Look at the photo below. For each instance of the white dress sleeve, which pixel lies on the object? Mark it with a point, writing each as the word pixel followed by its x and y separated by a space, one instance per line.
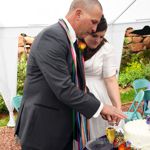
pixel 109 67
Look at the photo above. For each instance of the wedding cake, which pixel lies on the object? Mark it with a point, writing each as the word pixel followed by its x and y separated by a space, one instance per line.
pixel 137 132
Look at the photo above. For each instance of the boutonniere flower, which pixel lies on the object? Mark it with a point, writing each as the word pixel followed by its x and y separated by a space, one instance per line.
pixel 81 46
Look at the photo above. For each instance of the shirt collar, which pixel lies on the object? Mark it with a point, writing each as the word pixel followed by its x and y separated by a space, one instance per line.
pixel 72 32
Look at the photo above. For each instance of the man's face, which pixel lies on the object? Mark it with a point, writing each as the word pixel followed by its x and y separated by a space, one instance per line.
pixel 88 21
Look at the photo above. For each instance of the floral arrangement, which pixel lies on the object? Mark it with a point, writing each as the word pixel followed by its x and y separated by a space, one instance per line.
pixel 81 45
pixel 117 139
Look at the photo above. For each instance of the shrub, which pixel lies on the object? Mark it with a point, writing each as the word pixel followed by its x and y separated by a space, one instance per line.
pixel 133 71
pixel 147 71
pixel 21 74
pixel 3 108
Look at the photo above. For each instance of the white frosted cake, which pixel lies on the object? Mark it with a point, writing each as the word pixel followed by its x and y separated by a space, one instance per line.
pixel 138 133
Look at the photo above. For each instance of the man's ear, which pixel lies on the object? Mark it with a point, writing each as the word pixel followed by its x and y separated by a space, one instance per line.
pixel 78 13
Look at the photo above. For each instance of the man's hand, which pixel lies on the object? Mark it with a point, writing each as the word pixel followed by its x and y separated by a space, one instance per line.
pixel 112 114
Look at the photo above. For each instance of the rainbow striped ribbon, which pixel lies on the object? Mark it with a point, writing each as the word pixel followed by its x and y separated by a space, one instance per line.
pixel 81 131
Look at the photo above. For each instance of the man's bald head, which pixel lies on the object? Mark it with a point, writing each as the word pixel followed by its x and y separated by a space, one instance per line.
pixel 84 4
pixel 84 16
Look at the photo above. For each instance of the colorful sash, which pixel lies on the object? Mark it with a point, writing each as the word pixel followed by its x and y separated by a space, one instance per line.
pixel 80 132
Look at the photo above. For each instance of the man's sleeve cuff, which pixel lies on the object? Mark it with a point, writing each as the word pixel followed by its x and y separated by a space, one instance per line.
pixel 99 110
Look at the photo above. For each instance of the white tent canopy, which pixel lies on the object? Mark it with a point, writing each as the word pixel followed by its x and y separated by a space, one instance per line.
pixel 31 12
pixel 31 16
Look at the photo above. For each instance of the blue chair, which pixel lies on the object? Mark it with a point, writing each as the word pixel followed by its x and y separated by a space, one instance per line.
pixel 146 101
pixel 132 113
pixel 140 84
pixel 16 102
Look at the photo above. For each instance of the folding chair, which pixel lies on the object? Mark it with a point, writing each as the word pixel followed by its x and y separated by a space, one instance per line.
pixel 16 102
pixel 146 102
pixel 140 84
pixel 132 113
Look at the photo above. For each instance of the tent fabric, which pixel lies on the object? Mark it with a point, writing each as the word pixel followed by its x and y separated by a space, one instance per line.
pixel 8 62
pixel 136 10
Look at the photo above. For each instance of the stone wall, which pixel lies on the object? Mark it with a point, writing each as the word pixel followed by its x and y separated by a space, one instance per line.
pixel 133 42
pixel 24 44
pixel 136 42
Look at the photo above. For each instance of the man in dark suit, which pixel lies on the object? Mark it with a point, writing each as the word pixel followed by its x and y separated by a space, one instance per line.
pixel 50 94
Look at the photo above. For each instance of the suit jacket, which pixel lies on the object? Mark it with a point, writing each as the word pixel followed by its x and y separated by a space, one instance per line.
pixel 45 117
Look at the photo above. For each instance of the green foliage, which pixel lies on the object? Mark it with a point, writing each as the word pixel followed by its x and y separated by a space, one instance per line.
pixel 127 96
pixel 4 121
pixel 133 71
pixel 129 57
pixel 21 74
pixel 146 56
pixel 126 41
pixel 3 108
pixel 134 66
pixel 147 71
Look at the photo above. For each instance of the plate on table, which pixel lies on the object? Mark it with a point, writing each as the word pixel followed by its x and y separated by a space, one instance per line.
pixel 101 143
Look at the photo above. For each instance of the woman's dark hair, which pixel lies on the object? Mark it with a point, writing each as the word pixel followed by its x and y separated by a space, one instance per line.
pixel 102 26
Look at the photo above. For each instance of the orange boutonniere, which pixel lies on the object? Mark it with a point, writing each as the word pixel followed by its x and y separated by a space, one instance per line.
pixel 81 45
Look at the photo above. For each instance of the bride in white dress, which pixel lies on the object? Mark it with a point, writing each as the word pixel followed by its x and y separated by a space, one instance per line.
pixel 100 72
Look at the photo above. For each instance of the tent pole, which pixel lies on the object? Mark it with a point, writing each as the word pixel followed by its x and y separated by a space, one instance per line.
pixel 123 11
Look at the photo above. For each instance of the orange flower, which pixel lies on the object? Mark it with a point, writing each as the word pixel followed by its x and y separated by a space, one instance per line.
pixel 81 45
pixel 122 146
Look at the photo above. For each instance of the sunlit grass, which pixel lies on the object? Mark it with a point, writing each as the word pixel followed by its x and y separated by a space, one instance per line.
pixel 127 96
pixel 4 121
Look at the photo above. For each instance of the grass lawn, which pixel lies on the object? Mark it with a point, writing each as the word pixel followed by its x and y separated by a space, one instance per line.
pixel 127 95
pixel 4 120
